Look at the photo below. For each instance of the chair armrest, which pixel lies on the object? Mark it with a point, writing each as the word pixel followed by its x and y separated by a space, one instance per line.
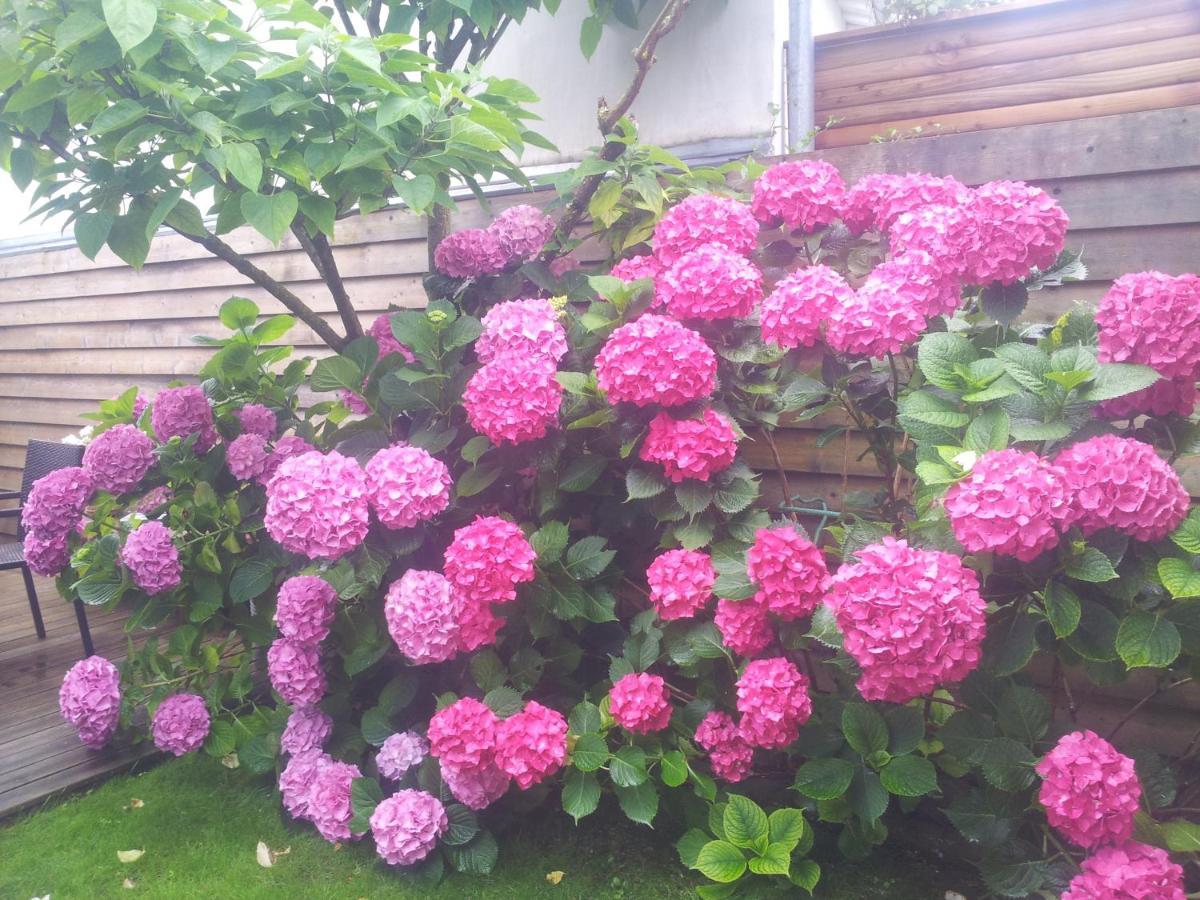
pixel 10 495
pixel 10 513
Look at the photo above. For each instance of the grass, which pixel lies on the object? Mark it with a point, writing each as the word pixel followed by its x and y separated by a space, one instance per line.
pixel 199 825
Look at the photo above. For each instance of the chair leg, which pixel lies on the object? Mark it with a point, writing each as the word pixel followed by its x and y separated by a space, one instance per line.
pixel 84 631
pixel 31 593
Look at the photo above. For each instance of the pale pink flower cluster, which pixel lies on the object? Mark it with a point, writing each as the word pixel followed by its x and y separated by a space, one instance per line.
pixel 1017 228
pixel 317 505
pixel 181 412
pixel 407 485
pixel 705 219
pixel 1131 871
pixel 655 359
pixel 152 559
pixel 1165 397
pixel 789 570
pixel 694 447
pixel 381 330
pixel 406 826
pixel 257 419
pixel 1090 790
pixel 522 232
pixel 913 619
pixel 635 268
pixel 793 313
pixel 681 583
pixel 400 753
pixel 462 737
pixel 469 253
pixel 296 780
pixel 284 448
pixel 423 614
pixel 877 200
pixel 1153 319
pixel 639 702
pixel 802 194
pixel 56 501
pixel 513 399
pixel 730 756
pixel 532 744
pixel 744 625
pixel 1012 503
pixel 308 728
pixel 772 697
pixel 521 329
pixel 139 405
pixel 295 672
pixel 710 282
pixel 304 609
pixel 119 458
pixel 90 700
pixel 181 724
pixel 328 800
pixel 247 456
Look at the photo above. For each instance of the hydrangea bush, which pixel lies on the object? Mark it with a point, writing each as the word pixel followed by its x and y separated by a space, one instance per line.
pixel 518 557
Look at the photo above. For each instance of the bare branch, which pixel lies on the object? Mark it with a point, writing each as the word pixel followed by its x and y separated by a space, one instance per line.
pixel 344 15
pixel 337 287
pixel 373 13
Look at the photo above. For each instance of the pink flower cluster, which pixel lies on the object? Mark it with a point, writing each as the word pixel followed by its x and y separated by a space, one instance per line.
pixel 639 702
pixel 704 219
pixel 462 737
pixel 52 512
pixel 772 696
pixel 513 399
pixel 521 329
pixel 247 456
pixel 1017 228
pixel 484 563
pixel 181 724
pixel 296 780
pixel 912 619
pixel 1153 319
pixel 522 232
pixel 681 583
pixel 1090 791
pixel 532 744
pixel 877 321
pixel 793 313
pixel 407 485
pixel 423 614
pixel 469 253
pixel 90 700
pixel 284 448
pixel 789 570
pixel 119 459
pixel 381 330
pixel 919 280
pixel 181 412
pixel 1131 871
pixel 876 201
pixel 400 753
pixel 257 419
pixel 304 609
pixel 744 625
pixel 692 447
pixel 328 800
pixel 635 268
pixel 710 282
pixel 406 827
pixel 730 756
pixel 946 233
pixel 804 195
pixel 295 672
pixel 46 555
pixel 152 559
pixel 317 505
pixel 153 500
pixel 308 728
pixel 655 359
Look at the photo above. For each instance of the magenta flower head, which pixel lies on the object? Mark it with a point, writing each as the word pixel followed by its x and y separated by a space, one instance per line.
pixel 90 700
pixel 681 583
pixel 705 219
pixel 1153 319
pixel 635 268
pixel 1019 228
pixel 257 419
pixel 744 625
pixel 522 329
pixel 654 359
pixel 789 570
pixel 152 559
pixel 181 724
pixel 422 617
pixel 317 505
pixel 478 624
pixel 247 456
pixel 803 194
pixel 46 556
pixel 691 447
pixel 181 412
pixel 463 735
pixel 925 284
pixel 710 282
pixel 296 780
pixel 877 321
pixel 295 672
pixel 948 234
pixel 513 400
pixel 305 607
pixel 639 702
pixel 476 788
pixel 792 314
pixel 56 501
pixel 488 558
pixel 1089 789
pixel 406 827
pixel 381 330
pixel 469 253
pixel 329 801
pixel 400 753
pixel 119 459
pixel 532 745
pixel 729 755
pixel 772 696
pixel 877 200
pixel 1131 871
pixel 307 729
pixel 522 231
pixel 407 485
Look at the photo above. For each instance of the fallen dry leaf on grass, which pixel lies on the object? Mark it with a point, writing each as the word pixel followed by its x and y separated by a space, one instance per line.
pixel 266 856
pixel 128 856
pixel 129 884
pixel 555 877
pixel 230 761
pixel 135 803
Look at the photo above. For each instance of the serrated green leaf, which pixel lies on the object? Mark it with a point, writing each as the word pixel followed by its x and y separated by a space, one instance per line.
pixel 721 861
pixel 1092 566
pixel 639 803
pixel 580 794
pixel 939 353
pixel 1146 640
pixel 590 753
pixel 1179 577
pixel 628 766
pixel 745 823
pixel 824 778
pixel 864 728
pixel 909 776
pixel 1062 609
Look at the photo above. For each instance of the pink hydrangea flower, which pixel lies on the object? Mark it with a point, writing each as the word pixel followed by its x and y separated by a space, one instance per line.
pixel 877 200
pixel 247 456
pixel 488 558
pixel 772 696
pixel 639 702
pixel 948 234
pixel 181 412
pixel 355 403
pixel 876 322
pixel 317 505
pixel 469 253
pixel 532 745
pixel 710 282
pixel 705 219
pixel 286 447
pixel 181 724
pixel 1012 503
pixel 789 570
pixel 381 330
pixel 654 359
pixel 792 314
pixel 1131 871
pixel 476 788
pixel 329 800
pixel 308 728
pixel 56 501
pixel 803 194
pixel 139 405
pixel 296 781
pixel 692 447
pixel 478 624
pixel 295 672
pixel 513 400
pixel 1167 396
pixel 422 617
pixel 912 619
pixel 1019 228
pixel 463 735
pixel 399 753
pixel 681 583
pixel 153 500
pixel 152 558
pixel 1121 483
pixel 46 555
pixel 522 231
pixel 731 758
pixel 1153 319
pixel 90 700
pixel 407 485
pixel 744 625
pixel 1090 790
pixel 406 827
pixel 635 268
pixel 919 281
pixel 522 329
pixel 257 419
pixel 305 608
pixel 562 265
pixel 119 459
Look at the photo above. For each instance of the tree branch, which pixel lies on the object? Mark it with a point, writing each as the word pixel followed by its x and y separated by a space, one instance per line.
pixel 347 23
pixel 373 25
pixel 337 287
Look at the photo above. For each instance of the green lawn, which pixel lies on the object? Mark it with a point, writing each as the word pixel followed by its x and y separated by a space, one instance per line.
pixel 199 825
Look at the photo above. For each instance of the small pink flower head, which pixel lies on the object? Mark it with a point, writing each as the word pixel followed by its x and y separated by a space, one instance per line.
pixel 400 753
pixel 513 400
pixel 478 624
pixel 257 419
pixel 744 625
pixel 476 788
pixel 1121 483
pixel 317 505
pixel 153 500
pixel 295 672
pixel 946 233
pixel 1131 871
pixel 532 745
pixel 522 231
pixel 181 724
pixel 918 280
pixel 1090 790
pixel 296 781
pixel 381 330
pixel 139 405
pixel 803 194
pixel 488 558
pixel 329 800
pixel 522 329
pixel 422 617
pixel 654 359
pixel 406 827
pixel 469 253
pixel 772 696
pixel 463 735
pixel 1167 396
pixel 286 447
pixel 705 219
pixel 56 501
pixel 355 403
pixel 152 559
pixel 181 412
pixel 876 322
pixel 407 485
pixel 307 729
pixel 1019 228
pixel 247 456
pixel 639 702
pixel 729 755
pixel 876 201
pixel 1153 319
pixel 793 313
pixel 1012 503
pixel 635 268
pixel 90 700
pixel 119 458
pixel 789 570
pixel 912 619
pixel 305 608
pixel 710 282
pixel 561 265
pixel 681 583
pixel 692 447
pixel 47 555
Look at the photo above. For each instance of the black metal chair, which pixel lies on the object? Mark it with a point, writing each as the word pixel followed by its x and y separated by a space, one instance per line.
pixel 41 458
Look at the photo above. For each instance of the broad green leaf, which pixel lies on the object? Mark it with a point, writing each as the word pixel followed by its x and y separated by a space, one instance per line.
pixel 988 431
pixel 1026 364
pixel 130 21
pixel 91 231
pixel 628 766
pixel 244 163
pixel 1187 536
pixel 1096 636
pixel 1182 837
pixel 1146 640
pixel 121 114
pixel 1007 764
pixel 690 845
pixel 721 861
pixel 640 803
pixel 549 542
pixel 805 874
pixel 477 857
pixel 1023 714
pixel 1179 577
pixel 1062 609
pixel 1004 302
pixel 775 860
pixel 238 312
pixel 336 373
pixel 641 484
pixel 864 728
pixel 786 826
pixel 590 753
pixel 673 769
pixel 939 353
pixel 1091 565
pixel 824 778
pixel 320 211
pixel 744 821
pixel 270 214
pixel 1118 379
pixel 909 776
pixel 580 794
pixel 418 192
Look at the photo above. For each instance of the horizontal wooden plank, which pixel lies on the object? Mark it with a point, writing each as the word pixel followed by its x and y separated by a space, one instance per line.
pixel 1163 197
pixel 1112 252
pixel 60 384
